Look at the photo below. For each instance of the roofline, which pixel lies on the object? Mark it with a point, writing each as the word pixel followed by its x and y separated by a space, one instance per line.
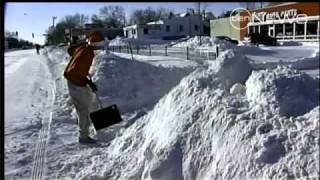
pixel 277 5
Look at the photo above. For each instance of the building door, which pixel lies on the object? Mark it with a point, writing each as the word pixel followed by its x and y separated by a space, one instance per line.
pixel 271 30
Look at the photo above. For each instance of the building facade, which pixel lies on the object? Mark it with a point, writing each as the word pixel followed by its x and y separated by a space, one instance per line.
pixel 171 28
pixel 222 27
pixel 286 22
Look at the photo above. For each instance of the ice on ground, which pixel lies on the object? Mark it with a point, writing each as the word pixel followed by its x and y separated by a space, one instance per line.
pixel 199 130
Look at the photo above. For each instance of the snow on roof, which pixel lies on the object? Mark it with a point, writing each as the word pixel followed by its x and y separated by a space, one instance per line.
pixel 183 14
pixel 130 27
pixel 156 22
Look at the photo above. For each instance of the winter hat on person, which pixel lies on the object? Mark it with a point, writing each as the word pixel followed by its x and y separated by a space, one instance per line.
pixel 94 37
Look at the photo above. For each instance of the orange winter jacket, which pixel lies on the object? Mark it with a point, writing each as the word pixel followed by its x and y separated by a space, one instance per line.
pixel 78 68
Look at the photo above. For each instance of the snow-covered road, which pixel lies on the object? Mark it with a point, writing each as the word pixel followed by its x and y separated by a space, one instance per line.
pixel 29 96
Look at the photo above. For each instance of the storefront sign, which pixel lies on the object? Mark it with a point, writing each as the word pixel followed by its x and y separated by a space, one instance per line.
pixel 286 16
pixel 277 15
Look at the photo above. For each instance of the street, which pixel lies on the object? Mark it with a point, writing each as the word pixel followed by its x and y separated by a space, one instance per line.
pixel 29 96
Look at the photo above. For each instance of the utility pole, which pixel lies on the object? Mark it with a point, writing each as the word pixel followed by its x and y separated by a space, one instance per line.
pixel 200 22
pixel 124 21
pixel 53 18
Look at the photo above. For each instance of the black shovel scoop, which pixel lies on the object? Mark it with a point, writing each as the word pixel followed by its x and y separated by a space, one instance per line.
pixel 105 117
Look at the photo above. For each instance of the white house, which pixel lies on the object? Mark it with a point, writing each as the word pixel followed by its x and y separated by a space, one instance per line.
pixel 170 28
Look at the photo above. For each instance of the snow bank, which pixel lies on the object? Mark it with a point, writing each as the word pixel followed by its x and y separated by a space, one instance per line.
pixel 122 41
pixel 134 84
pixel 194 42
pixel 231 68
pixel 291 43
pixel 119 41
pixel 291 92
pixel 200 131
pixel 205 42
pixel 223 44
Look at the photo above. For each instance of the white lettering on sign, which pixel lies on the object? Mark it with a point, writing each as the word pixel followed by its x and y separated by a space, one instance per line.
pixel 264 16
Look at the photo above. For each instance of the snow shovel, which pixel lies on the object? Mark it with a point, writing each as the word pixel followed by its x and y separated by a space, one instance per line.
pixel 105 117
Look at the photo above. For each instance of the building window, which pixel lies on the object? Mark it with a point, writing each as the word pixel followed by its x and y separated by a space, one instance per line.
pixel 279 30
pixel 256 29
pixel 251 29
pixel 299 31
pixel 180 28
pixel 167 28
pixel 145 31
pixel 196 27
pixel 264 29
pixel 289 29
pixel 312 29
pixel 133 31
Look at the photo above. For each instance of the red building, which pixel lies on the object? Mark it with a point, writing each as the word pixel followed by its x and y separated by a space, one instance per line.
pixel 287 21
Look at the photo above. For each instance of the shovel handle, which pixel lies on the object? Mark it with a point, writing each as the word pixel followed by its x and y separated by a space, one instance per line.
pixel 98 99
pixel 95 92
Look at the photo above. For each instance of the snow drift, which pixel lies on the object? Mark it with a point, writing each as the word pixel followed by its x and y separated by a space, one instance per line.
pixel 291 92
pixel 194 42
pixel 134 84
pixel 200 131
pixel 123 41
pixel 206 41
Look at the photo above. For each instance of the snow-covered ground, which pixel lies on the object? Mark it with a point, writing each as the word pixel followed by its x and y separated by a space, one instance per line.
pixel 29 95
pixel 238 117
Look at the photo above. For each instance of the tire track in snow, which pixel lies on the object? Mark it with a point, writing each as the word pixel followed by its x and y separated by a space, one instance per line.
pixel 40 153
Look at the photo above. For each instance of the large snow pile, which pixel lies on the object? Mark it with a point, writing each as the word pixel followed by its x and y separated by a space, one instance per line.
pixel 316 53
pixel 206 41
pixel 290 92
pixel 194 42
pixel 123 41
pixel 134 84
pixel 229 64
pixel 119 41
pixel 200 131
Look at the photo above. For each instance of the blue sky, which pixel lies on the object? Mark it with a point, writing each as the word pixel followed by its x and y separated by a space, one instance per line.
pixel 28 18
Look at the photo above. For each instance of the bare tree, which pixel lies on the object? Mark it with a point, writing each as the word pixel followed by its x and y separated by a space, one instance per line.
pixel 143 16
pixel 112 16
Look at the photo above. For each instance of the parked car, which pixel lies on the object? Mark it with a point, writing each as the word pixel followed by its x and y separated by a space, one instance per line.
pixel 259 38
pixel 227 39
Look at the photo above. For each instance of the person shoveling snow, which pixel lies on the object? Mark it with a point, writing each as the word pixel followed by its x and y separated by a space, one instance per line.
pixel 76 73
